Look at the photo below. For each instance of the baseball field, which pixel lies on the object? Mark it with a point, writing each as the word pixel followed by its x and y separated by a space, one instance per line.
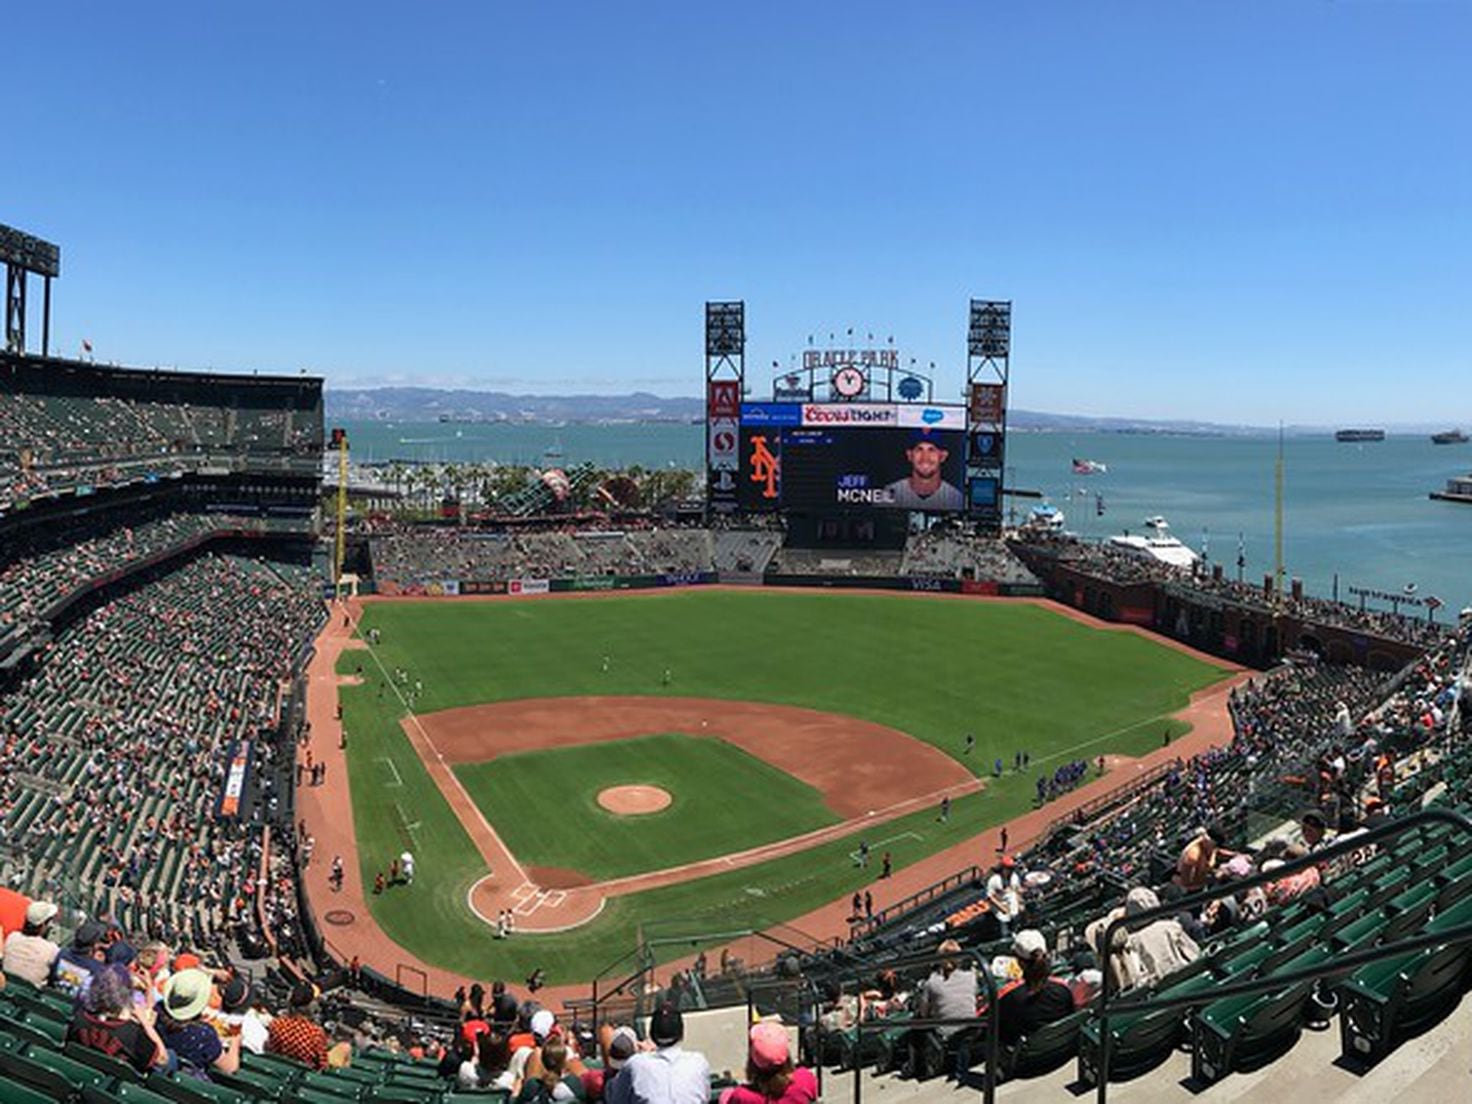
pixel 759 717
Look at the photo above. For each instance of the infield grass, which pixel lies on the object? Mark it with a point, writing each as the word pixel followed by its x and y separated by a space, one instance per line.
pixel 724 800
pixel 1017 675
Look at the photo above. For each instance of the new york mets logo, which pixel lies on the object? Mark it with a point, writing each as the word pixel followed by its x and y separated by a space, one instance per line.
pixel 765 467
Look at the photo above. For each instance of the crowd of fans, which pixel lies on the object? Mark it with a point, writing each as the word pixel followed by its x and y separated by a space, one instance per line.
pixel 52 441
pixel 948 551
pixel 427 555
pixel 1119 566
pixel 1319 755
pixel 136 705
pixel 46 563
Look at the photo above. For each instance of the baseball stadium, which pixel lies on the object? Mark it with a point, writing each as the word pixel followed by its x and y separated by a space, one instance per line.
pixel 822 741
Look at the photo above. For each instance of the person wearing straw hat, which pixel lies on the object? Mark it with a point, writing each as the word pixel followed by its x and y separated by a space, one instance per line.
pixel 194 1042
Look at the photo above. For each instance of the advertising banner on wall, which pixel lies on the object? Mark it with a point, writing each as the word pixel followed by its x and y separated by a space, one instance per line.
pixel 723 438
pixel 723 399
pixel 528 586
pixel 236 776
pixel 482 586
pixel 988 401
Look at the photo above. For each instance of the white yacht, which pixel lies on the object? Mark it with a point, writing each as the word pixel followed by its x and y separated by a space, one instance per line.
pixel 1156 543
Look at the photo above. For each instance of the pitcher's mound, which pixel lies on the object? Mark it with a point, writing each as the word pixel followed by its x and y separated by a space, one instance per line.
pixel 634 800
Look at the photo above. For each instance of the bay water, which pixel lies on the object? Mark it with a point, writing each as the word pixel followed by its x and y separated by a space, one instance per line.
pixel 1357 514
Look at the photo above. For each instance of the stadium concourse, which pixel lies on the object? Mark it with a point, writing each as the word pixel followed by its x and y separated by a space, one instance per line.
pixel 327 813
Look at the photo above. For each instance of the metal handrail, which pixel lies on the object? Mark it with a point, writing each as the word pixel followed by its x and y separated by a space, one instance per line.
pixel 1341 964
pixel 919 897
pixel 990 1019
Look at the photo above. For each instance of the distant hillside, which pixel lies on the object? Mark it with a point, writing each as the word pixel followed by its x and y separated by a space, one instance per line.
pixel 429 404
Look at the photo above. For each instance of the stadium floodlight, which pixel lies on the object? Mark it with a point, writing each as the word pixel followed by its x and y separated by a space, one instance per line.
pixel 725 329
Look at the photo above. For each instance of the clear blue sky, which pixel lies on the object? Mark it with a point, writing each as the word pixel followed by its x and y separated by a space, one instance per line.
pixel 1236 211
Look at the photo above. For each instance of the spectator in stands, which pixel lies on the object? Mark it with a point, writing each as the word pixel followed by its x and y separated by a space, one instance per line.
pixel 110 1022
pixel 667 1074
pixel 1004 893
pixel 616 1045
pixel 1143 956
pixel 488 1066
pixel 1199 858
pixel 1039 998
pixel 195 1043
pixel 29 954
pixel 948 993
pixel 76 965
pixel 771 1077
pixel 239 1016
pixel 550 1080
pixel 297 1035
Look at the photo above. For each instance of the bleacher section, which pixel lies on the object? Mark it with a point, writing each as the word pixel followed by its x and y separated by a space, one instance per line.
pixel 136 705
pixel 74 429
pixel 1357 737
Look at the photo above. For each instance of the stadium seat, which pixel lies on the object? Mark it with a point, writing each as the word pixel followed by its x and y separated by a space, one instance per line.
pixel 1047 1048
pixel 1141 1040
pixel 1244 1032
pixel 124 1093
pixel 191 1090
pixel 13 1092
pixel 115 1068
pixel 1388 999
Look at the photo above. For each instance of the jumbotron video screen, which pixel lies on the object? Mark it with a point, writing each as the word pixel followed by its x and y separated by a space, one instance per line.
pixel 852 457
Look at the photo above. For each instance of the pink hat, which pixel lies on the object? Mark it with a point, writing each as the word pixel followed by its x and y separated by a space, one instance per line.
pixel 769 1047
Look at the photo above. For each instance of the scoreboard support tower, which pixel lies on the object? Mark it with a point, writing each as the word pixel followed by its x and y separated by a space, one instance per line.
pixel 725 388
pixel 988 355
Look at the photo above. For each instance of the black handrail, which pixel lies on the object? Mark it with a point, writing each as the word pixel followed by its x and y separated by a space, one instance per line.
pixel 1340 965
pixel 991 1017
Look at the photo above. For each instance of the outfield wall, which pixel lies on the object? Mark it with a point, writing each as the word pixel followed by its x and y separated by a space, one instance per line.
pixel 531 587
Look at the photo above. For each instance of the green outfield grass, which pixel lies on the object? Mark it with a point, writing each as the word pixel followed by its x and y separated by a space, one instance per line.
pixel 1019 676
pixel 724 800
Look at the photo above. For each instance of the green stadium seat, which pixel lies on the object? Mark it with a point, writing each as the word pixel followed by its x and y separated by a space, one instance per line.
pixel 124 1093
pixel 19 1028
pixel 191 1090
pixel 49 1072
pixel 80 1074
pixel 330 1083
pixel 1141 1039
pixel 1387 1000
pixel 1407 912
pixel 13 1092
pixel 1245 1032
pixel 1363 931
pixel 115 1068
pixel 1047 1048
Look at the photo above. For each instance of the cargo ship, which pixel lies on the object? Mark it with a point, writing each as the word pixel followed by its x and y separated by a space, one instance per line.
pixel 1450 437
pixel 1458 489
pixel 1353 435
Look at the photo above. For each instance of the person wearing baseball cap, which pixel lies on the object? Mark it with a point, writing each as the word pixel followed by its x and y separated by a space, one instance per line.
pixel 197 1045
pixel 76 964
pixel 925 487
pixel 29 954
pixel 667 1074
pixel 771 1077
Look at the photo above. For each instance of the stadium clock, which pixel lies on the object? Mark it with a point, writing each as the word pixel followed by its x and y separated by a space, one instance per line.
pixel 849 382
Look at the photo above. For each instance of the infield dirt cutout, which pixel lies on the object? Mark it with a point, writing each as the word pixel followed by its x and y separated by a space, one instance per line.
pixel 867 773
pixel 634 800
